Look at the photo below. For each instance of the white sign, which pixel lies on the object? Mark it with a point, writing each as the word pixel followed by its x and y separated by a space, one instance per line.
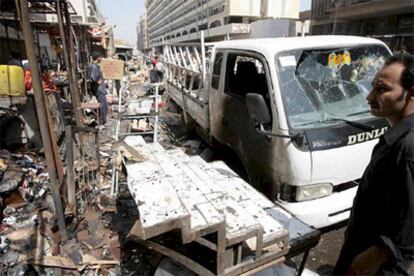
pixel 287 61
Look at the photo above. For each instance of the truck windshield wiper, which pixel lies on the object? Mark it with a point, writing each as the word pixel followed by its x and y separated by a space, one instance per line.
pixel 362 126
pixel 351 123
pixel 358 113
pixel 293 136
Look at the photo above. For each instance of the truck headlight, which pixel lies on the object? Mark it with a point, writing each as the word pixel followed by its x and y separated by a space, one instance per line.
pixel 313 191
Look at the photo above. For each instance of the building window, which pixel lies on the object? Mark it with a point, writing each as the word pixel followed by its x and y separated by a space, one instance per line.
pixel 235 19
pixel 216 23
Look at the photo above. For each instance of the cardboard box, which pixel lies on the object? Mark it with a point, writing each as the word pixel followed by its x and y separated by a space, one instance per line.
pixel 112 69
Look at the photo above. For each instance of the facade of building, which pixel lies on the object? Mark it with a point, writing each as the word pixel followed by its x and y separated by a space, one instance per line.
pixel 173 21
pixel 87 12
pixel 142 34
pixel 82 12
pixel 389 20
pixel 85 16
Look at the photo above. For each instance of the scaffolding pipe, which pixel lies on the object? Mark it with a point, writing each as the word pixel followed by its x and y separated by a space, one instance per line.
pixel 69 62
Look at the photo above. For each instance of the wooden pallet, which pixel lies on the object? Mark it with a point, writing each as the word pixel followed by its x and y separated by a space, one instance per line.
pixel 220 211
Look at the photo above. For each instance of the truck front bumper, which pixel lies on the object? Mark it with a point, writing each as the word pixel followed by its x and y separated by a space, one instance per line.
pixel 323 212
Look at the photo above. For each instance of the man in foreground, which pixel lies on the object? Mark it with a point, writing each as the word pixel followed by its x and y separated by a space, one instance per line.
pixel 380 235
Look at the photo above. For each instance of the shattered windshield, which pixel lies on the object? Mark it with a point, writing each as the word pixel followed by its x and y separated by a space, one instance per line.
pixel 321 87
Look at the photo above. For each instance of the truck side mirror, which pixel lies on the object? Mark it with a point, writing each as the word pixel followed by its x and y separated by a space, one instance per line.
pixel 257 108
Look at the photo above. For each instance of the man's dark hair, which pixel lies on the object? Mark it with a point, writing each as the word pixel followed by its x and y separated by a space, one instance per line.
pixel 95 55
pixel 407 60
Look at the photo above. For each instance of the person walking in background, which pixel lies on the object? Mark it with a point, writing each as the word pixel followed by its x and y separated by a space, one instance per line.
pixel 156 74
pixel 98 87
pixel 380 235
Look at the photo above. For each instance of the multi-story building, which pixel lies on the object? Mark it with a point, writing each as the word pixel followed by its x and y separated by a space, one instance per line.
pixel 389 20
pixel 85 17
pixel 142 34
pixel 87 12
pixel 172 21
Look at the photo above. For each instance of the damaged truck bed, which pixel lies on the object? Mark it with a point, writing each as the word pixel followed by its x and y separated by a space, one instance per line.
pixel 205 216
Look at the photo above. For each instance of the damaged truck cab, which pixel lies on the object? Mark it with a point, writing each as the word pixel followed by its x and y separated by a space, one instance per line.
pixel 293 110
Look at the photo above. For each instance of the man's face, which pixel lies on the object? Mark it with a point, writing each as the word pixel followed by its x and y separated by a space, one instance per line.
pixel 388 98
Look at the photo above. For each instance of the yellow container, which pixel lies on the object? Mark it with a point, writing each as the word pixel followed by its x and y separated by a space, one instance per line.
pixel 11 80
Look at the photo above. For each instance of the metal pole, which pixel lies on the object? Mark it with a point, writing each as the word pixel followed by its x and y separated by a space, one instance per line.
pixel 42 110
pixel 72 56
pixel 69 66
pixel 156 114
pixel 71 188
pixel 114 180
pixel 204 66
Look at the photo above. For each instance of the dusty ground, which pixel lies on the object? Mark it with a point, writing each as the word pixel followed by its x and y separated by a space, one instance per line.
pixel 323 257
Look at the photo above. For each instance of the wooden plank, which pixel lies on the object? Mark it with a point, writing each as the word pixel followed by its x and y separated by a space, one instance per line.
pixel 247 198
pixel 264 266
pixel 238 221
pixel 203 216
pixel 157 201
pixel 251 200
pixel 252 266
pixel 195 201
pixel 211 200
pixel 202 212
pixel 258 198
pixel 185 261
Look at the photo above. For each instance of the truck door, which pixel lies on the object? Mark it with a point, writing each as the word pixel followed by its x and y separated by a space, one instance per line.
pixel 247 73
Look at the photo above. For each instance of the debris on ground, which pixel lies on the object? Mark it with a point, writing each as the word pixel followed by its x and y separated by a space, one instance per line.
pixel 30 238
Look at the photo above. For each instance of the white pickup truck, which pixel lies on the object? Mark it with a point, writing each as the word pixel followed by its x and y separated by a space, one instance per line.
pixel 293 110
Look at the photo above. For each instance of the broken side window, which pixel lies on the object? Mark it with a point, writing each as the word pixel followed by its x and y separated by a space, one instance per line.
pixel 245 74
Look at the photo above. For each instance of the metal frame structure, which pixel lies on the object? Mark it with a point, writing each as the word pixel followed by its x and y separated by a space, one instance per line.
pixel 188 62
pixel 124 117
pixel 86 153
